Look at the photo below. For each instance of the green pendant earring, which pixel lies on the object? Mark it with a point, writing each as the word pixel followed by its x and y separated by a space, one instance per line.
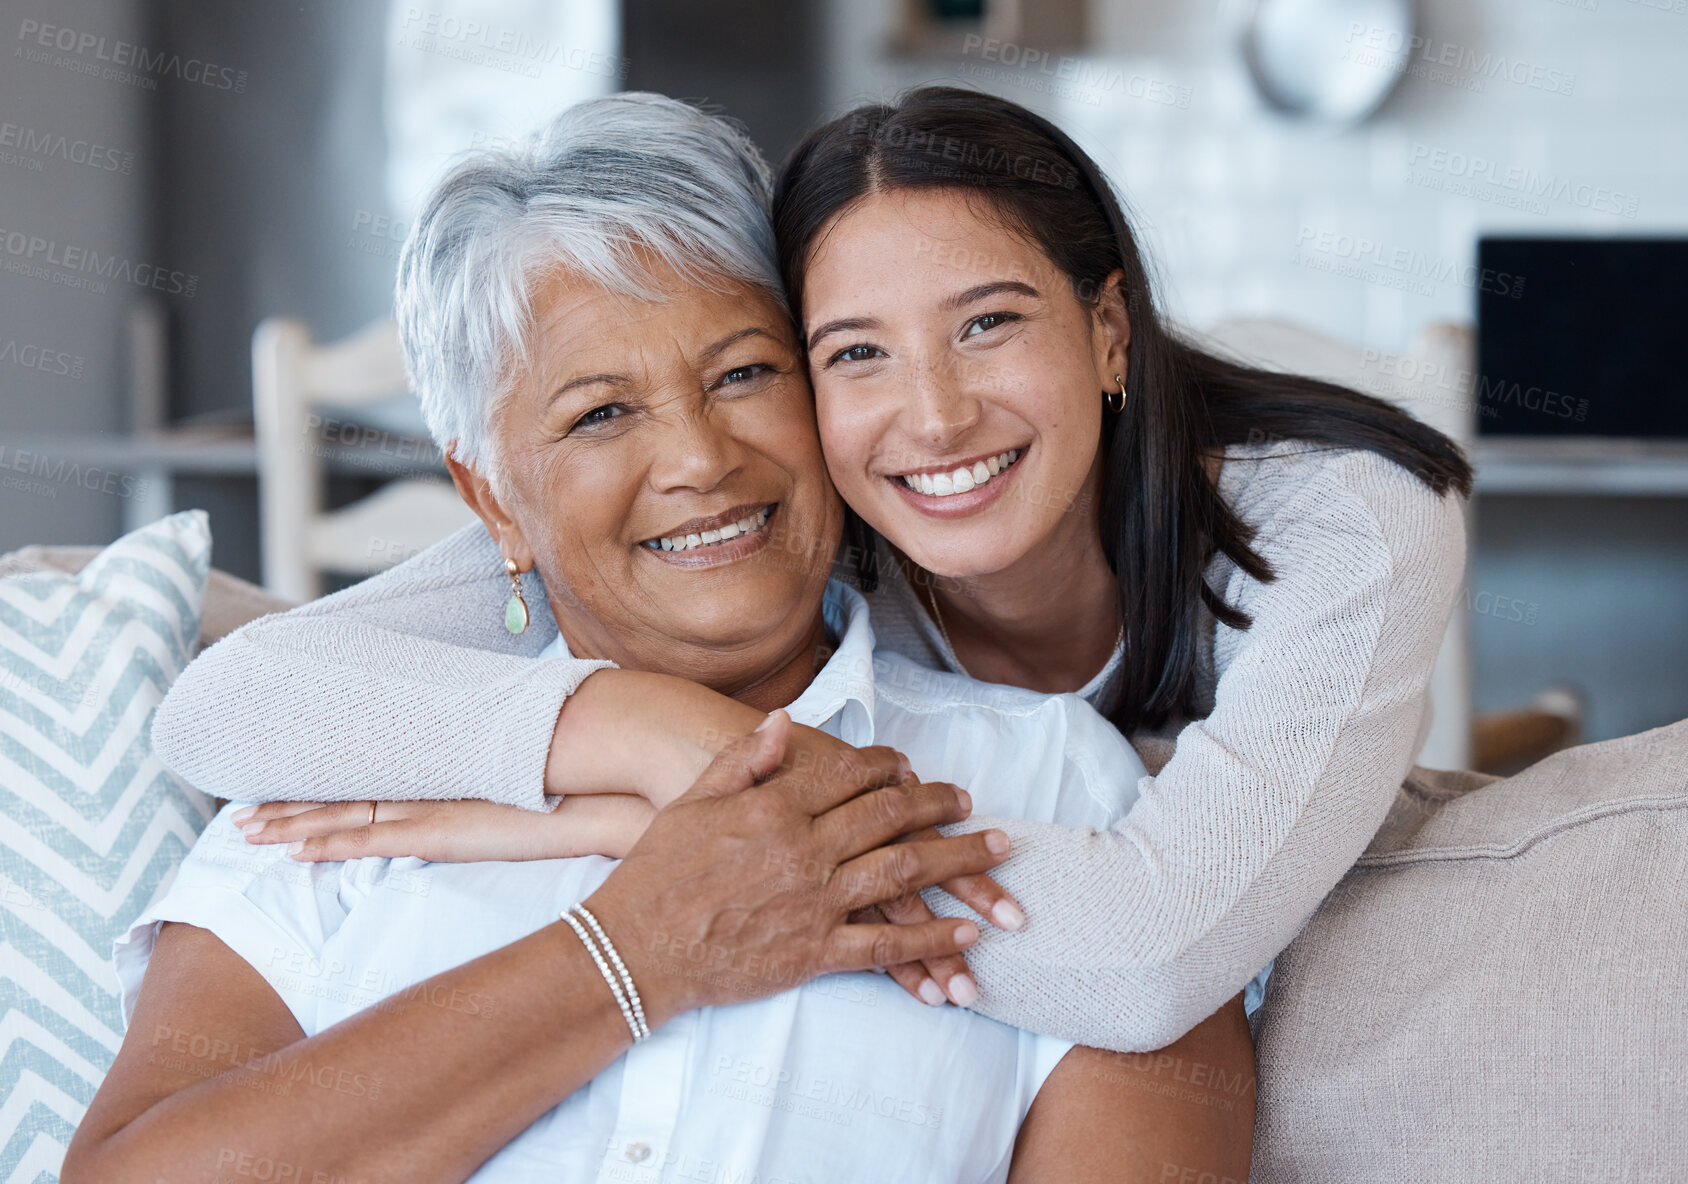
pixel 515 610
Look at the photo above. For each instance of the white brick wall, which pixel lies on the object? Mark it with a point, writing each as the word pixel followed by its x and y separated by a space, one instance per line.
pixel 1249 213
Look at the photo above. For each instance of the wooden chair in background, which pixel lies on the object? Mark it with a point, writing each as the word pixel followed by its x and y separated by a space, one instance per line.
pixel 294 382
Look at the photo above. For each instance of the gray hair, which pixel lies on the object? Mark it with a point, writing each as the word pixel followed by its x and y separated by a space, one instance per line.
pixel 610 187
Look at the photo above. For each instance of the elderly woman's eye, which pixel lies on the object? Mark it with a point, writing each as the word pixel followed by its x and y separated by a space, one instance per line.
pixel 988 322
pixel 599 415
pixel 857 353
pixel 740 374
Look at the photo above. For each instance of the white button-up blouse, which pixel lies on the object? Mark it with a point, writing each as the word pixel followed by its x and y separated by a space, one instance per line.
pixel 845 1078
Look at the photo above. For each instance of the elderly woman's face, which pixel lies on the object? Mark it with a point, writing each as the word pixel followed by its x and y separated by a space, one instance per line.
pixel 663 470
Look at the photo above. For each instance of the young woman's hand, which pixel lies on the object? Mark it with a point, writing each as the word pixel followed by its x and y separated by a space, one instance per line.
pixel 451 832
pixel 938 979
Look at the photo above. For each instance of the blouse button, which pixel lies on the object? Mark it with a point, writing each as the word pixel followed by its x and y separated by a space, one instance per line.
pixel 638 1152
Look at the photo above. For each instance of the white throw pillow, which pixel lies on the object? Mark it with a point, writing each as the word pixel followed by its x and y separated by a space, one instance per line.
pixel 91 823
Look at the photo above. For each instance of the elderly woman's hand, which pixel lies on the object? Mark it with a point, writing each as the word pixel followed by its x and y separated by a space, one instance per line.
pixel 745 885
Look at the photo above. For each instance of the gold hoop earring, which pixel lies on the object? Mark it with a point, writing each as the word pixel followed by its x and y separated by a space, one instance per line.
pixel 516 609
pixel 1116 400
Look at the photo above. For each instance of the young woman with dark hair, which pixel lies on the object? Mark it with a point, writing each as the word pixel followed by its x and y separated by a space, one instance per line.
pixel 995 175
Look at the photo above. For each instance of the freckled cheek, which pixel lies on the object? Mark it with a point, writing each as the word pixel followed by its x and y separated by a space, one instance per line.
pixel 848 442
pixel 849 462
pixel 1057 400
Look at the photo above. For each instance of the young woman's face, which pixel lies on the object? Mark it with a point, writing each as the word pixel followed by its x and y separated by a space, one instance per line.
pixel 958 380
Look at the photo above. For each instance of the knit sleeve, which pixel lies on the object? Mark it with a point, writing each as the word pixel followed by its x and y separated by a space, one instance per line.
pixel 403 687
pixel 1138 933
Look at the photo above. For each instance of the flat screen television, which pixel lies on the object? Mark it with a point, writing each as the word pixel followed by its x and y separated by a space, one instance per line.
pixel 1586 337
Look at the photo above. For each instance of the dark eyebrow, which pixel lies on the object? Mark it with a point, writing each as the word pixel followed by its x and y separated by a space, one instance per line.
pixel 996 287
pixel 959 300
pixel 847 325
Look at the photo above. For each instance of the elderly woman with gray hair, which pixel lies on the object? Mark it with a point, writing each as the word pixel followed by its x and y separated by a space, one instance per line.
pixel 565 1018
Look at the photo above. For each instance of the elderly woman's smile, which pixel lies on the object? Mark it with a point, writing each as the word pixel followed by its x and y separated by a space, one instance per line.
pixel 704 542
pixel 658 462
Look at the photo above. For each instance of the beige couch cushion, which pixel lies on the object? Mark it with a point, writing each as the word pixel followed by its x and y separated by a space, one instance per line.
pixel 230 602
pixel 1499 989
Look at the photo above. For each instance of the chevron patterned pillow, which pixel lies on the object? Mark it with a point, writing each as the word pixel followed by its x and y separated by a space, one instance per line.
pixel 91 823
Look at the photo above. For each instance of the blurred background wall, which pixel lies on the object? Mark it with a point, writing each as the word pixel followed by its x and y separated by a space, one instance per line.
pixel 239 161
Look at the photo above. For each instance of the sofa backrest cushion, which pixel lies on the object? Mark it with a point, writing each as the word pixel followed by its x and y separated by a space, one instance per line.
pixel 1497 990
pixel 230 601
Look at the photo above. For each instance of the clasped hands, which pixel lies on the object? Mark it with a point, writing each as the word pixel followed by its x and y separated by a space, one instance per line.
pixel 792 855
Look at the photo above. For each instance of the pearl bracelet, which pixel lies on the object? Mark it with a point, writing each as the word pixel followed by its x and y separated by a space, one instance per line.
pixel 619 980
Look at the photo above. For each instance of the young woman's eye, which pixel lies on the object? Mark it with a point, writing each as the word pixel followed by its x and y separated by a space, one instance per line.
pixel 989 321
pixel 600 415
pixel 857 353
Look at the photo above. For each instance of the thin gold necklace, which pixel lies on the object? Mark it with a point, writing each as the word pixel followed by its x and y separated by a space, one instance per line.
pixel 938 616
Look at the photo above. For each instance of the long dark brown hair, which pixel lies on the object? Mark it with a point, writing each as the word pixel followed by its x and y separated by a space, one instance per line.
pixel 1162 519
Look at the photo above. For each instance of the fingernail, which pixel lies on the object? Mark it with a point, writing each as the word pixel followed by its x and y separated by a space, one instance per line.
pixel 766 720
pixel 931 993
pixel 966 800
pixel 295 848
pixel 242 814
pixel 877 969
pixel 966 933
pixel 997 842
pixel 251 828
pixel 903 766
pixel 1007 915
pixel 963 991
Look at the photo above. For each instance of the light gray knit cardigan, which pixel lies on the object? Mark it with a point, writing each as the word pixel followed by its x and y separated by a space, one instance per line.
pixel 408 686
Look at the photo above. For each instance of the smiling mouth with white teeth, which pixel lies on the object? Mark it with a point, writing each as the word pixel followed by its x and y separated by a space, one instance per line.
pixel 962 479
pixel 699 540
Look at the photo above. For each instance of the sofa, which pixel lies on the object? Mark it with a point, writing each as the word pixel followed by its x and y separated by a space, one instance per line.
pixel 1496 991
